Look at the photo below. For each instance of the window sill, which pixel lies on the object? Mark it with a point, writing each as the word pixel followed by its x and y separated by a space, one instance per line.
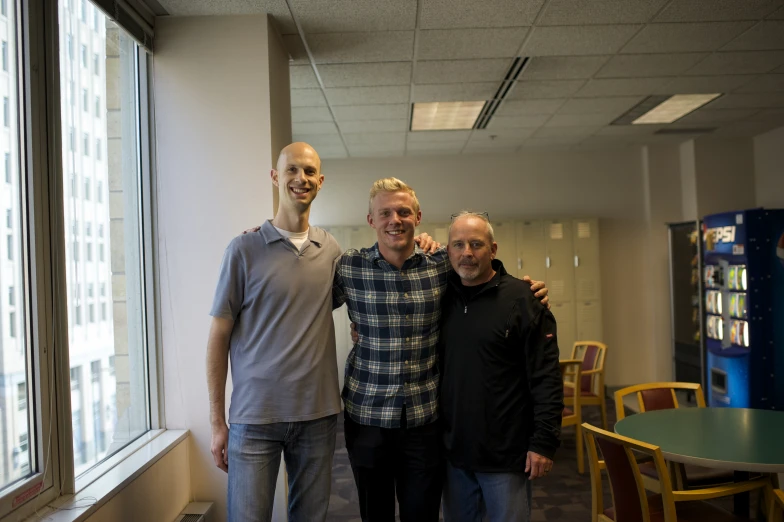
pixel 96 487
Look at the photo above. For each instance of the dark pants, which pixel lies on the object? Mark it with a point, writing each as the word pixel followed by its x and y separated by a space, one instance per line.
pixel 403 460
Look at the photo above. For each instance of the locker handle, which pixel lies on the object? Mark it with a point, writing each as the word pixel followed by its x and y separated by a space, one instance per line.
pixel 519 263
pixel 547 261
pixel 576 261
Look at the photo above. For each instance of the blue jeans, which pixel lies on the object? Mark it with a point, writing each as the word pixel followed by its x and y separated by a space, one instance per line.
pixel 254 461
pixel 495 497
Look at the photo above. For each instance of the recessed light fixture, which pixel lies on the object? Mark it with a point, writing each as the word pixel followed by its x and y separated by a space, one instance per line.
pixel 445 115
pixel 674 108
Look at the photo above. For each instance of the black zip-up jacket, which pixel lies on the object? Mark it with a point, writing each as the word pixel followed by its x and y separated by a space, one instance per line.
pixel 501 386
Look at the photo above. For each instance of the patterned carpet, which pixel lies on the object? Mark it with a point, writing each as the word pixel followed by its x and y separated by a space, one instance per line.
pixel 563 495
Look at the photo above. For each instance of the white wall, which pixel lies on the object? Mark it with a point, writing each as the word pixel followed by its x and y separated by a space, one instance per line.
pixel 769 169
pixel 606 184
pixel 212 99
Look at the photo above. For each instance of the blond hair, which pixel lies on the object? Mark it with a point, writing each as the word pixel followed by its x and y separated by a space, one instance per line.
pixel 391 185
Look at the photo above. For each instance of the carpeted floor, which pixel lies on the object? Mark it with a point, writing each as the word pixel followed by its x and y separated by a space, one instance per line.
pixel 563 495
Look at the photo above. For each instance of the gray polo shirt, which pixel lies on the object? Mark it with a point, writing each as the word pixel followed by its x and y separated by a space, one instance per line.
pixel 283 362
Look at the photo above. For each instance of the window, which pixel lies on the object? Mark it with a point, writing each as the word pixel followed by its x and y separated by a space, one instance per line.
pixel 21 396
pixel 103 289
pixel 72 93
pixel 78 314
pixel 75 228
pixel 96 18
pixel 88 229
pixel 83 10
pixel 3 8
pixel 96 64
pixel 69 46
pixel 74 190
pixel 76 251
pixel 86 144
pixel 91 312
pixel 100 253
pixel 100 230
pixel 95 371
pixel 98 148
pixel 97 106
pixel 5 56
pixel 8 218
pixel 6 115
pixel 11 296
pixel 10 247
pixel 99 191
pixel 90 289
pixel 7 167
pixel 89 251
pixel 12 324
pixel 84 56
pixel 87 191
pixel 103 312
pixel 72 139
pixel 85 100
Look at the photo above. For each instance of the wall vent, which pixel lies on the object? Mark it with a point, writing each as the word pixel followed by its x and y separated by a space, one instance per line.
pixel 506 85
pixel 196 512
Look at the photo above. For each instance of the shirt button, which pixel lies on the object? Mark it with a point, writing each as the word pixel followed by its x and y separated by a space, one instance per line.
pixel 405 295
pixel 408 339
pixel 402 272
pixel 406 363
pixel 408 317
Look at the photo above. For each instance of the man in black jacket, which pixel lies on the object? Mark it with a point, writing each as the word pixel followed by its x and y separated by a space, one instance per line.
pixel 501 390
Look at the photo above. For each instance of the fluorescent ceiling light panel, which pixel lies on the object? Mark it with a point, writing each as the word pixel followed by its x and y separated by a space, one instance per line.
pixel 674 108
pixel 445 115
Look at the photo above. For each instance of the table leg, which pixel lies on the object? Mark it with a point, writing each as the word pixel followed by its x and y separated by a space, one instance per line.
pixel 741 500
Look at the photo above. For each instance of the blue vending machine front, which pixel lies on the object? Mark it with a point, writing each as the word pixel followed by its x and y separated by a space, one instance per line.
pixel 743 278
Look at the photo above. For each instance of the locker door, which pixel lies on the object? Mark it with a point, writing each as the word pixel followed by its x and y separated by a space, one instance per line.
pixel 506 237
pixel 360 237
pixel 531 250
pixel 589 321
pixel 564 318
pixel 586 260
pixel 560 258
pixel 439 231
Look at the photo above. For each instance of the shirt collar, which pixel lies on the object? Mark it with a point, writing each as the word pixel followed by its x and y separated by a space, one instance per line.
pixel 374 254
pixel 270 234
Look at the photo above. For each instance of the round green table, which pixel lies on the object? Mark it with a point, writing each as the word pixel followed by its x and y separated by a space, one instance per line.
pixel 739 439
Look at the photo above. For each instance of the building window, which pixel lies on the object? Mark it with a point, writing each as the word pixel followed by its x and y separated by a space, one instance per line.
pixel 90 289
pixel 87 191
pixel 6 114
pixel 103 312
pixel 72 93
pixel 72 139
pixel 95 371
pixel 12 324
pixel 5 56
pixel 21 396
pixel 96 18
pixel 69 46
pixel 10 246
pixel 97 106
pixel 88 229
pixel 86 144
pixel 101 257
pixel 85 100
pixel 98 149
pixel 96 64
pixel 8 167
pixel 74 189
pixel 78 314
pixel 91 312
pixel 84 11
pixel 84 56
pixel 75 228
pixel 103 289
pixel 3 8
pixel 99 191
pixel 89 251
pixel 76 251
pixel 8 220
pixel 100 230
pixel 11 296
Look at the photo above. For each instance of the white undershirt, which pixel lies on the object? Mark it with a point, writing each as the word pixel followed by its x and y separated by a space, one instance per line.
pixel 298 238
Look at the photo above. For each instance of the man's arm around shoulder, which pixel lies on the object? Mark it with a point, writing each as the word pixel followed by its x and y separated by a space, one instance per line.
pixel 217 370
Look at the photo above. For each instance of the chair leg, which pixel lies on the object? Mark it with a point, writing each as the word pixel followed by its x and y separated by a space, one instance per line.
pixel 580 450
pixel 603 405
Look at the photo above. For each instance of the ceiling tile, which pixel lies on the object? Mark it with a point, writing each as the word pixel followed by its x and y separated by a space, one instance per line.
pixel 716 116
pixel 368 95
pixel 503 136
pixel 307 98
pixel 516 122
pixel 557 142
pixel 318 127
pixel 779 69
pixel 450 14
pixel 451 146
pixel 777 15
pixel 620 87
pixel 319 140
pixel 310 114
pixel 332 152
pixel 769 115
pixel 302 77
pixel 765 35
pixel 365 74
pixel 767 83
pixel 376 139
pixel 359 151
pixel 591 12
pixel 716 10
pixel 337 16
pixel 371 112
pixel 567 120
pixel 642 65
pixel 528 107
pixel 581 40
pixel 431 136
pixel 746 129
pixel 687 37
pixel 455 92
pixel 458 44
pixel 703 84
pixel 562 67
pixel 601 142
pixel 749 101
pixel 629 130
pixel 374 126
pixel 612 105
pixel 743 62
pixel 545 89
pixel 386 46
pixel 565 131
pixel 439 71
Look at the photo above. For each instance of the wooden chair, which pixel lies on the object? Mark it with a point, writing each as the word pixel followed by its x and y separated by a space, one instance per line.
pixel 661 396
pixel 572 414
pixel 631 502
pixel 592 393
pixel 776 506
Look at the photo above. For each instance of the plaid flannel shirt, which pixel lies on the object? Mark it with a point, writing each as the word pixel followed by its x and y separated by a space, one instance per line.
pixel 397 313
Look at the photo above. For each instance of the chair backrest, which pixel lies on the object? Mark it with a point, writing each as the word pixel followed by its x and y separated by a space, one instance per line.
pixel 570 372
pixel 630 499
pixel 592 353
pixel 657 396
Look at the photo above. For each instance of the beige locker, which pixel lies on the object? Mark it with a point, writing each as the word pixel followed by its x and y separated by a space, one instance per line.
pixel 565 321
pixel 586 259
pixel 589 321
pixel 506 238
pixel 559 260
pixel 439 232
pixel 531 250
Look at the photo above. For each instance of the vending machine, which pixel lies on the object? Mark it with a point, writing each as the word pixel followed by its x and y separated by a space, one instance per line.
pixel 743 289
